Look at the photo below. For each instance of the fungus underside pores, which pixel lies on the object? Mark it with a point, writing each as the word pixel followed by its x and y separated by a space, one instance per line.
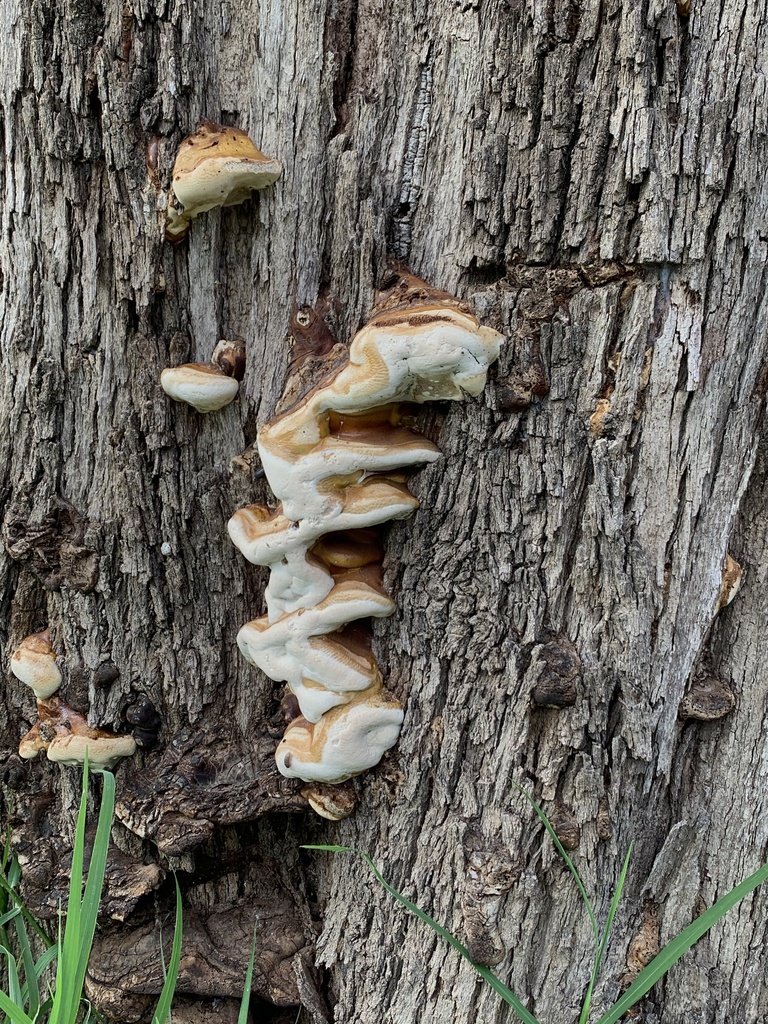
pixel 337 463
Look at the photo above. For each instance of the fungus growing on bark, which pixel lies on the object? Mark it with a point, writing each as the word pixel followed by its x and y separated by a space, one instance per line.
pixel 215 166
pixel 208 387
pixel 332 802
pixel 34 663
pixel 729 588
pixel 336 463
pixel 343 742
pixel 105 674
pixel 229 356
pixel 65 735
pixel 202 386
pixel 321 671
pixel 146 722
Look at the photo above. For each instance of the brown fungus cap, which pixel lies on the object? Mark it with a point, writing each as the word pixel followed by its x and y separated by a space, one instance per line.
pixel 351 550
pixel 401 290
pixel 215 166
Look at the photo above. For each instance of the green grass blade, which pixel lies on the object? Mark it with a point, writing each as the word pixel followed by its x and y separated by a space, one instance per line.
pixel 30 994
pixel 83 908
pixel 496 984
pixel 12 873
pixel 14 1012
pixel 242 1017
pixel 571 867
pixel 613 908
pixel 605 936
pixel 39 969
pixel 31 922
pixel 14 986
pixel 6 917
pixel 45 1009
pixel 680 945
pixel 65 1000
pixel 6 850
pixel 163 1011
pixel 95 883
pixel 45 961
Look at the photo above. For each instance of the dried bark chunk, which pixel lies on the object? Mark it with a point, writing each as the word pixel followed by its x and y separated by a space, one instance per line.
pixel 556 667
pixel 521 387
pixel 564 822
pixel 707 700
pixel 491 871
pixel 644 946
pixel 603 823
pixel 125 973
pixel 46 861
pixel 331 802
pixel 202 780
pixel 53 539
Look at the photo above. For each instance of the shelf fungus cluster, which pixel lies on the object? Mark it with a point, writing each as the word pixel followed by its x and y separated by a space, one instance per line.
pixel 337 463
pixel 215 166
pixel 62 733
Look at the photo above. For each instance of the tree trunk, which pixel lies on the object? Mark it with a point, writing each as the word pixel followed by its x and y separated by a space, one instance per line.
pixel 590 177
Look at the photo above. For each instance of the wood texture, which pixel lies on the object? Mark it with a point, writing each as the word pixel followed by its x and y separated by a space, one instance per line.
pixel 591 177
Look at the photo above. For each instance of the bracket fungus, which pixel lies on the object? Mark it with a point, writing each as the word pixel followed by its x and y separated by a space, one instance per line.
pixel 208 387
pixel 336 462
pixel 731 582
pixel 65 735
pixel 62 732
pixel 215 166
pixel 203 387
pixel 34 663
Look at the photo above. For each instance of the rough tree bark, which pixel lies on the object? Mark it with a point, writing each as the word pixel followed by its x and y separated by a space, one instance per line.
pixel 591 177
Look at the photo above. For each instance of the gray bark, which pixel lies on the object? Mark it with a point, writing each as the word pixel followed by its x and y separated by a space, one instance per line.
pixel 591 178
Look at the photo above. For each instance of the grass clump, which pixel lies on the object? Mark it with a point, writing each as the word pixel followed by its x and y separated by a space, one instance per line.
pixel 25 998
